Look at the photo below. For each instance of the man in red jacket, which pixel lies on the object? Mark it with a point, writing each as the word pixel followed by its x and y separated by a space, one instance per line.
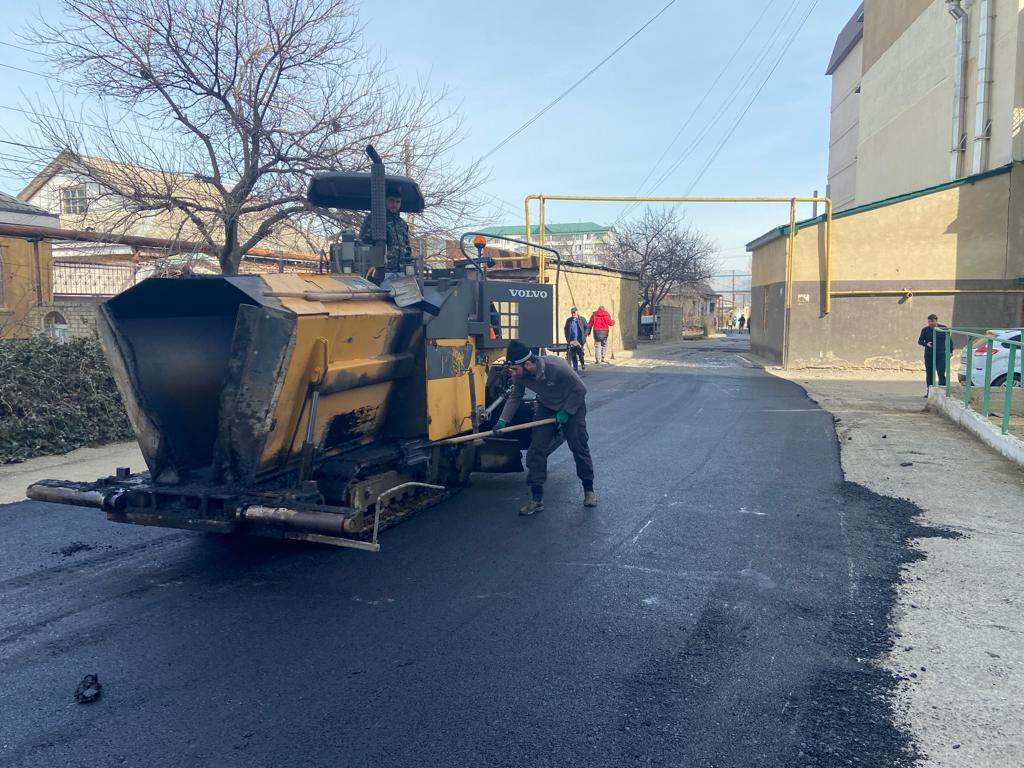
pixel 600 323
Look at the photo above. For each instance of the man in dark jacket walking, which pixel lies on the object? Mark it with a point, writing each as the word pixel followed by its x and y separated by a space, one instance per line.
pixel 934 357
pixel 576 330
pixel 561 394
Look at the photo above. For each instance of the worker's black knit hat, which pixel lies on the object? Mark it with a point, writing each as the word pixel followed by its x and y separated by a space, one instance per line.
pixel 518 352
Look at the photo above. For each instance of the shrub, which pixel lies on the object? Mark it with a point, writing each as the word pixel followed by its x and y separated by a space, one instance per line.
pixel 56 397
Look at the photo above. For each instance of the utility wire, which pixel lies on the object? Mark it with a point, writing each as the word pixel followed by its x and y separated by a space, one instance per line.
pixel 18 48
pixel 774 36
pixel 575 85
pixel 757 93
pixel 762 56
pixel 32 72
pixel 704 98
pixel 20 144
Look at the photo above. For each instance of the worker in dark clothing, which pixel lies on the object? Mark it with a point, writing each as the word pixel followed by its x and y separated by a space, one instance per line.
pixel 576 330
pixel 560 394
pixel 934 358
pixel 399 251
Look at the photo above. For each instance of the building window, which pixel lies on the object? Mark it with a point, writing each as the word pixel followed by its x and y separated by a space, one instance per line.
pixel 74 199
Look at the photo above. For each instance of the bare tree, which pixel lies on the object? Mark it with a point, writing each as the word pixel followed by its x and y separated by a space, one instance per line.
pixel 217 113
pixel 666 253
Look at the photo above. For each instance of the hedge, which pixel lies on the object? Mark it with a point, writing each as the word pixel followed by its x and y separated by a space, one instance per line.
pixel 55 397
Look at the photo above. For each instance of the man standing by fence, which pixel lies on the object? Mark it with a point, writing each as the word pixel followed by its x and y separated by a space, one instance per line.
pixel 934 357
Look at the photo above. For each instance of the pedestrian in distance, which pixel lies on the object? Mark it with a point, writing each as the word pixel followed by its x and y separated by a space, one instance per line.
pixel 560 394
pixel 934 359
pixel 742 321
pixel 576 331
pixel 600 326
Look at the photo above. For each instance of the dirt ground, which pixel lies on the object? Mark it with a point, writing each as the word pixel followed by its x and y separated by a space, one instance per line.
pixel 959 620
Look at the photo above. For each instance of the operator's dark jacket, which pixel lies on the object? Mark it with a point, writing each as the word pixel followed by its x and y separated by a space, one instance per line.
pixel 556 384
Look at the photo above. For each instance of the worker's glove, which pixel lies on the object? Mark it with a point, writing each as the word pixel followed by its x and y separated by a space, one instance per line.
pixel 499 425
pixel 562 417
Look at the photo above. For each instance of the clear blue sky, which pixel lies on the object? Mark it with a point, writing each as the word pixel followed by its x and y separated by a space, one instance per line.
pixel 502 62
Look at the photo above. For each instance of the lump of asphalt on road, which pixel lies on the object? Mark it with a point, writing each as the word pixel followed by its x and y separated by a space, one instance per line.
pixel 88 690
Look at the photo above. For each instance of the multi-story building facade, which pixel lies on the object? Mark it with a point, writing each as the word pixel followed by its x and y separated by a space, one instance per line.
pixel 584 242
pixel 923 92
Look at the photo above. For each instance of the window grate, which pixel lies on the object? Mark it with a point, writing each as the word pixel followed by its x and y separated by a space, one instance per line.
pixel 508 314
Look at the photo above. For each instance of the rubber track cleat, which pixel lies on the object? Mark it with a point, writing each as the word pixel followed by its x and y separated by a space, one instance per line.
pixel 589 499
pixel 532 507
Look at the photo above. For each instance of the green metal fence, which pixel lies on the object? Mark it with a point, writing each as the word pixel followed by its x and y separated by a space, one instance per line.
pixel 943 343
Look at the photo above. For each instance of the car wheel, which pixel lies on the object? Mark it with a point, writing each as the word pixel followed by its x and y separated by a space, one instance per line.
pixel 998 381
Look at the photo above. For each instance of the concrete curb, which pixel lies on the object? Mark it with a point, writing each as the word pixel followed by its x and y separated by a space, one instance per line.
pixel 1006 445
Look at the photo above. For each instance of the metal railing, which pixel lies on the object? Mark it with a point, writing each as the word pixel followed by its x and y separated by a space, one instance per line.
pixel 84 279
pixel 1011 381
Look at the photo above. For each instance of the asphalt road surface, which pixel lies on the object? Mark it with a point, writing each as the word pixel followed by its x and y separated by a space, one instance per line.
pixel 722 607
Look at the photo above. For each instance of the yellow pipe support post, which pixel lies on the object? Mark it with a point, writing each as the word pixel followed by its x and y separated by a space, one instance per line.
pixel 790 247
pixel 542 256
pixel 828 256
pixel 526 203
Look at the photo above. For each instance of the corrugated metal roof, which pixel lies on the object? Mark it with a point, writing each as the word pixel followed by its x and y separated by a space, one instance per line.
pixel 14 211
pixel 852 34
pixel 14 205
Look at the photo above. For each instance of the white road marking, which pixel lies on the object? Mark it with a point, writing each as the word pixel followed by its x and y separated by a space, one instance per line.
pixel 636 538
pixel 745 511
pixel 793 410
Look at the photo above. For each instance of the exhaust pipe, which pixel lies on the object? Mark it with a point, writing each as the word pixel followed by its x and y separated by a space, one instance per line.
pixel 378 223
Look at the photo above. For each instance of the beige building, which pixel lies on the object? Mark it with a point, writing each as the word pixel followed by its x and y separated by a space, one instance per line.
pixel 930 205
pixel 956 249
pixel 73 188
pixel 845 70
pixel 927 91
pixel 25 271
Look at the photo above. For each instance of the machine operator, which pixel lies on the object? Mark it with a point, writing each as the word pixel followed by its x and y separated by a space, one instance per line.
pixel 399 251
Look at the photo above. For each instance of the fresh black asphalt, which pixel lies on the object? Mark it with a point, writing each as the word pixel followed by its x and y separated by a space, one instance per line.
pixel 724 607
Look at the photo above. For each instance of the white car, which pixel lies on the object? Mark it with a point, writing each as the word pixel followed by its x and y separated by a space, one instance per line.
pixel 1000 359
